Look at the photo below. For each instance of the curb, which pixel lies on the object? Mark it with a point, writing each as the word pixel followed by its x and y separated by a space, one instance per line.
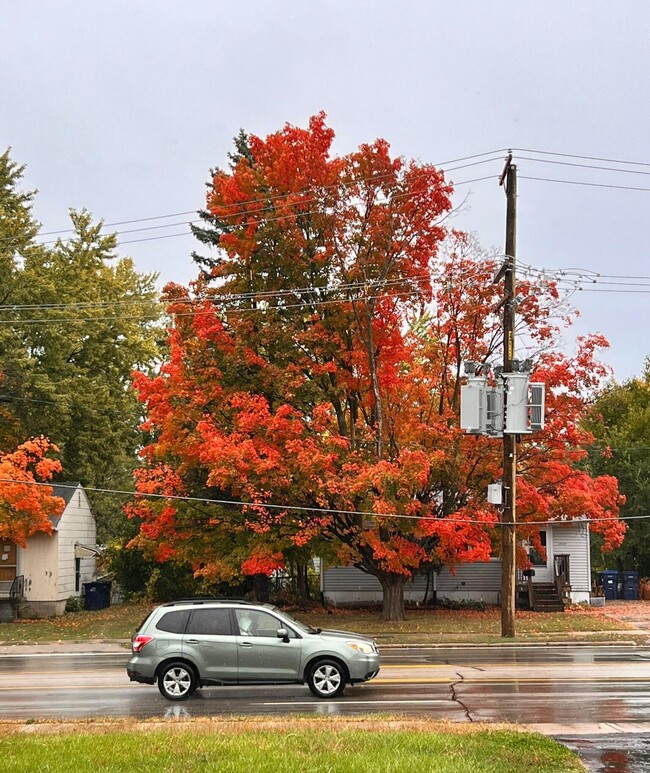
pixel 73 646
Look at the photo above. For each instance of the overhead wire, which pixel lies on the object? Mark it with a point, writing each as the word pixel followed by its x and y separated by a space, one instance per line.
pixel 227 303
pixel 244 213
pixel 441 165
pixel 586 184
pixel 324 511
pixel 280 197
pixel 576 155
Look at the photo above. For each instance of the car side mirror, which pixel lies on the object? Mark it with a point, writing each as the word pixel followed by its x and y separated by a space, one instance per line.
pixel 283 634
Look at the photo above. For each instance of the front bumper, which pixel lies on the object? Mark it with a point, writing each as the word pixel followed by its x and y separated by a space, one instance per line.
pixel 364 667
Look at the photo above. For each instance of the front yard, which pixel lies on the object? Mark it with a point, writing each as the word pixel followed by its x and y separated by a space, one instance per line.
pixel 433 626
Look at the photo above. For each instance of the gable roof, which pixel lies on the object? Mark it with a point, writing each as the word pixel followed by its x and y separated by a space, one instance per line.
pixel 66 491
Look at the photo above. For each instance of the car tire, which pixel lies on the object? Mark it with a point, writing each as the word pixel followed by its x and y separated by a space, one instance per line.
pixel 326 678
pixel 177 681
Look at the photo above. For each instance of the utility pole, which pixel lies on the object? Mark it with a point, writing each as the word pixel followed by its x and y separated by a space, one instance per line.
pixel 508 541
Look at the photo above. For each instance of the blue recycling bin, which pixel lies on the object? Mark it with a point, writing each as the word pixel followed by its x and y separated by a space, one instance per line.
pixel 97 595
pixel 609 579
pixel 630 586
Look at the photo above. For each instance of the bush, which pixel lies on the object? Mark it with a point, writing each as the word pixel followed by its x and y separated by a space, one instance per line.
pixel 74 604
pixel 460 604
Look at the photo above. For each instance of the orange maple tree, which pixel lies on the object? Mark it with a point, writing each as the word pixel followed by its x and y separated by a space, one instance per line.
pixel 314 377
pixel 26 508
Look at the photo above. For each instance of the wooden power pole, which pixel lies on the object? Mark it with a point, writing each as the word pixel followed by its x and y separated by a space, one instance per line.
pixel 508 541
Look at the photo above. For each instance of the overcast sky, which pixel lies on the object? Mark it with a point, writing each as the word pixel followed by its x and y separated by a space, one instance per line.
pixel 122 108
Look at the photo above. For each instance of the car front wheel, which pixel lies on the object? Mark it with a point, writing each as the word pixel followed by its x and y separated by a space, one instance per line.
pixel 326 679
pixel 176 681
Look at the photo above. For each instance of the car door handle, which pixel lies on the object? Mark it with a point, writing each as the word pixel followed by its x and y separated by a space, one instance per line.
pixel 245 644
pixel 192 641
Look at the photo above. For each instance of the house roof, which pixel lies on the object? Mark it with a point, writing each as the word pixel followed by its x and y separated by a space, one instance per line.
pixel 65 490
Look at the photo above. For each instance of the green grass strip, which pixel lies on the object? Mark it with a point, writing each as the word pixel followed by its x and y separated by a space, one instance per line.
pixel 293 751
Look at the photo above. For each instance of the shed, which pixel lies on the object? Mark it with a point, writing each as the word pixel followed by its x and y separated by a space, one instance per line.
pixel 52 567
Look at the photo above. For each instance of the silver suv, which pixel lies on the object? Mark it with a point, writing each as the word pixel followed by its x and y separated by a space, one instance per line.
pixel 188 644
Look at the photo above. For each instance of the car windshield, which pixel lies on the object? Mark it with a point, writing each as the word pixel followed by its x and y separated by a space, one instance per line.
pixel 297 624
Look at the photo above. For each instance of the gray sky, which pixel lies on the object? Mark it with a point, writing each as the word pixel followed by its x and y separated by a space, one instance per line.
pixel 122 108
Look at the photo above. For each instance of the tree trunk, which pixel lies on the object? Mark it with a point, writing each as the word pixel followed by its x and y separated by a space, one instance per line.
pixel 262 588
pixel 393 596
pixel 302 582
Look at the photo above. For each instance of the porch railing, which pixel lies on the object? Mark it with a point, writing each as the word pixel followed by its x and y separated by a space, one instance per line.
pixel 17 589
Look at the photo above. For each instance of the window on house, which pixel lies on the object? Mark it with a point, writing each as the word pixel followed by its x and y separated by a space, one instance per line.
pixel 77 575
pixel 536 558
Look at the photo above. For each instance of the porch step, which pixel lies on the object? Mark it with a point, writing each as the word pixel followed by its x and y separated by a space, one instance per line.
pixel 546 599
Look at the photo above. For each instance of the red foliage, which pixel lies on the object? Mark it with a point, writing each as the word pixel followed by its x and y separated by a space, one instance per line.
pixel 26 508
pixel 322 367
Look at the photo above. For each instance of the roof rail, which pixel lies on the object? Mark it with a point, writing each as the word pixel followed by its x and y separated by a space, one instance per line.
pixel 207 600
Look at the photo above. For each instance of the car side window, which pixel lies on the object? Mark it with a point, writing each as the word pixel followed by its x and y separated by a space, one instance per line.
pixel 173 622
pixel 212 622
pixel 252 622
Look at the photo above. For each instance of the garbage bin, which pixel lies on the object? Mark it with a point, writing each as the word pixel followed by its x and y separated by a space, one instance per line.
pixel 105 591
pixel 631 586
pixel 97 595
pixel 609 579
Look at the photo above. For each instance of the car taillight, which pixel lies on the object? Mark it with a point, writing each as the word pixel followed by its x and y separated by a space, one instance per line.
pixel 139 641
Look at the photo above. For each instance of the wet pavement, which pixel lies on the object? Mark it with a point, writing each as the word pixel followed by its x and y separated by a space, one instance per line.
pixel 612 753
pixel 595 699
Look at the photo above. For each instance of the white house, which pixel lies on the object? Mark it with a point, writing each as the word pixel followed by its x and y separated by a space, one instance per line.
pixel 567 561
pixel 51 567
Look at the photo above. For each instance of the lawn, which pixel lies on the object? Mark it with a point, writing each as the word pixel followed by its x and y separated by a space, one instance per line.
pixel 435 625
pixel 116 622
pixel 422 625
pixel 332 745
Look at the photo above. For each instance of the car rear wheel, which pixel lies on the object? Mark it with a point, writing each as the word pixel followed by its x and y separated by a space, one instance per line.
pixel 326 679
pixel 177 681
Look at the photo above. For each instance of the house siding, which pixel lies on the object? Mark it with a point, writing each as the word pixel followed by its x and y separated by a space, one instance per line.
pixel 480 581
pixel 47 563
pixel 77 525
pixel 349 586
pixel 39 565
pixel 572 539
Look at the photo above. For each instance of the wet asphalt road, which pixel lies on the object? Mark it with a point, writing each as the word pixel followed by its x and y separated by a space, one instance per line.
pixel 529 685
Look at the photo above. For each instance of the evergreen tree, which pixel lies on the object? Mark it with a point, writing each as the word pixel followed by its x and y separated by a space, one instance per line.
pixel 76 320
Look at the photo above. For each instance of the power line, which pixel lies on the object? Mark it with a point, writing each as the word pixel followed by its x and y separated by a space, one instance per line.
pixel 582 166
pixel 319 510
pixel 252 213
pixel 259 295
pixel 440 165
pixel 290 216
pixel 558 275
pixel 586 184
pixel 573 286
pixel 586 158
pixel 282 196
pixel 225 300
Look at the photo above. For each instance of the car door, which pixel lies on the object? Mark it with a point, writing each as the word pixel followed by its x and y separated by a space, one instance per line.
pixel 210 642
pixel 262 656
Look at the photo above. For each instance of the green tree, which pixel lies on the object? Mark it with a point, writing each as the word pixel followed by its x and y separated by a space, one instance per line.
pixel 620 421
pixel 76 320
pixel 17 232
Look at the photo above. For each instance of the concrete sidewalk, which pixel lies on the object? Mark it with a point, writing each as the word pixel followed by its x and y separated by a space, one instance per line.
pixel 86 647
pixel 589 728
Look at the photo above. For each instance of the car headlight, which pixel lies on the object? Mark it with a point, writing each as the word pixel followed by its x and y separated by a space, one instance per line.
pixel 360 646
